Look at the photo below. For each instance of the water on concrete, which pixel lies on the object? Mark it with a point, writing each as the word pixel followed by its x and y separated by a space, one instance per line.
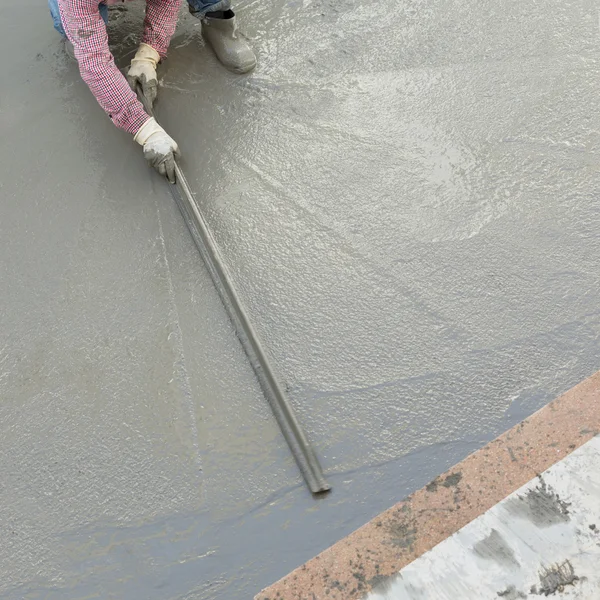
pixel 406 195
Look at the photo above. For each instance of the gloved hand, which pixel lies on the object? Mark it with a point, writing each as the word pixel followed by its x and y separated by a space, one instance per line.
pixel 160 149
pixel 143 72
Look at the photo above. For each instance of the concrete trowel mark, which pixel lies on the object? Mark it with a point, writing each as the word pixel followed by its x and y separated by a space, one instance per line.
pixel 346 244
pixel 179 366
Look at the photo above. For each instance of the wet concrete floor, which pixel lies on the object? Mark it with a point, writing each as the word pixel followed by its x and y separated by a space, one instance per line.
pixel 407 197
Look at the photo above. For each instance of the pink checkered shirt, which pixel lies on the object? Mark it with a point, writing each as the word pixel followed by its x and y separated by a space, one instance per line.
pixel 86 30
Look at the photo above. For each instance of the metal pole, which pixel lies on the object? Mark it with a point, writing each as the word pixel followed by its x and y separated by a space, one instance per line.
pixel 301 448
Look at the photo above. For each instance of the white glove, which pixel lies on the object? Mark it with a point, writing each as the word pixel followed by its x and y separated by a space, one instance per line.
pixel 160 149
pixel 142 72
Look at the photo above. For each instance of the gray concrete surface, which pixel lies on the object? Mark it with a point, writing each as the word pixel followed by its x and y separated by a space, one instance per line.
pixel 407 197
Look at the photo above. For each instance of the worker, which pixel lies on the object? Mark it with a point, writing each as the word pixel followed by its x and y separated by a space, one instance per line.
pixel 83 25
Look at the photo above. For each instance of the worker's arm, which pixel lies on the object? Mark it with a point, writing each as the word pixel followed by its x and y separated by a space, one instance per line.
pixel 87 32
pixel 159 25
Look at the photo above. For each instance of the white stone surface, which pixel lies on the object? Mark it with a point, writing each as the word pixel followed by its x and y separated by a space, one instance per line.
pixel 543 540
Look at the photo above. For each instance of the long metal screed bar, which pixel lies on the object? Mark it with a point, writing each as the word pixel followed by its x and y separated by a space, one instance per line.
pixel 293 432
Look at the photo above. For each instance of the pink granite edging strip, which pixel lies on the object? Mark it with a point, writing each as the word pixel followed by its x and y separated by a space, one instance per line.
pixel 350 568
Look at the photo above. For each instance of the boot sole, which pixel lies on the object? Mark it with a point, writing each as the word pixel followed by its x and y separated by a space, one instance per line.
pixel 242 70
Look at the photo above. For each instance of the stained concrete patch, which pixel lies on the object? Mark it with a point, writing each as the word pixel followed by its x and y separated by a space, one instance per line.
pixel 451 480
pixel 402 534
pixel 379 582
pixel 541 505
pixel 511 593
pixel 495 547
pixel 555 578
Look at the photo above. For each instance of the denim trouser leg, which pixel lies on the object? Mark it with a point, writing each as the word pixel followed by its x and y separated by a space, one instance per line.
pixel 53 5
pixel 200 7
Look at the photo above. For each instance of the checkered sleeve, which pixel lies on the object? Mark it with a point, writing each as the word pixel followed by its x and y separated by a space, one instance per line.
pixel 86 30
pixel 160 22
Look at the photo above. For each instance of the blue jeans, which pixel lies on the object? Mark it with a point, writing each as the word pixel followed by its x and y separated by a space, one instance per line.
pixel 197 7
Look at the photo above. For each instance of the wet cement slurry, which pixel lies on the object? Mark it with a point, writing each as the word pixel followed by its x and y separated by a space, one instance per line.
pixel 406 195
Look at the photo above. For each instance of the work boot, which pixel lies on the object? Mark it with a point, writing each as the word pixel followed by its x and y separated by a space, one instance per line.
pixel 221 34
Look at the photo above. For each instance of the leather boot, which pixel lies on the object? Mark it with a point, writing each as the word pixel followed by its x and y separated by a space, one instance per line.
pixel 221 34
